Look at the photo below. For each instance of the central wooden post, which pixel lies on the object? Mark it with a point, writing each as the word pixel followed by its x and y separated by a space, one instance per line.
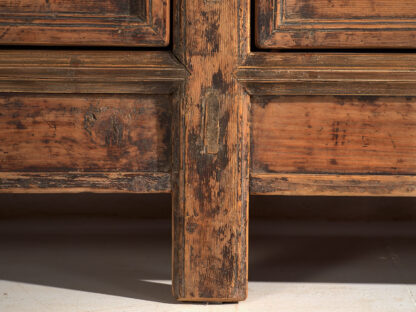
pixel 211 150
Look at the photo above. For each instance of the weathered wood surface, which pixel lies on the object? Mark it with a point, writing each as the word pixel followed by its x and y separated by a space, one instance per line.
pixel 81 22
pixel 101 7
pixel 210 168
pixel 334 134
pixel 88 133
pixel 329 74
pixel 332 184
pixel 132 72
pixel 335 24
pixel 75 182
pixel 76 121
pixel 290 153
pixel 86 120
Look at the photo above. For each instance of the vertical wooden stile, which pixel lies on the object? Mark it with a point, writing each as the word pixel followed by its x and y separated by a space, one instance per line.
pixel 211 148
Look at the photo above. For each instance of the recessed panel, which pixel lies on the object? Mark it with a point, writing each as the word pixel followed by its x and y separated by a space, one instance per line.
pixel 335 24
pixel 47 133
pixel 67 6
pixel 87 23
pixel 334 134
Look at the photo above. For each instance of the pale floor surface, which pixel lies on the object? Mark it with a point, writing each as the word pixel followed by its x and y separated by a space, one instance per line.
pixel 101 265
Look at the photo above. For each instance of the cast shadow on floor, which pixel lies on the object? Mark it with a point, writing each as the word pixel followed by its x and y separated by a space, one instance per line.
pixel 131 257
pixel 123 258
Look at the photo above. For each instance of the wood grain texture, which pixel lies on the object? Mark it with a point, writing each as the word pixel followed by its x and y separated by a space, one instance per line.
pixel 75 121
pixel 332 185
pixel 87 133
pixel 335 24
pixel 348 10
pixel 126 72
pixel 334 134
pixel 102 7
pixel 210 169
pixel 76 182
pixel 378 87
pixel 99 121
pixel 89 23
pixel 329 74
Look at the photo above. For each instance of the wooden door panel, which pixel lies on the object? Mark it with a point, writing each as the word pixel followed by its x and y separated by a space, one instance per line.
pixel 89 23
pixel 335 24
pixel 334 134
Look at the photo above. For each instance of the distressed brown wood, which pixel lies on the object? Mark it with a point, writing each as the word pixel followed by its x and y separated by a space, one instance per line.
pixel 337 134
pixel 75 182
pixel 210 171
pixel 335 24
pixel 332 184
pixel 139 121
pixel 75 121
pixel 87 133
pixel 307 92
pixel 90 23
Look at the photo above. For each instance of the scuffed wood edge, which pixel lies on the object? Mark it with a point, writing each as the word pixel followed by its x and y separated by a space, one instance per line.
pixel 332 185
pixel 76 182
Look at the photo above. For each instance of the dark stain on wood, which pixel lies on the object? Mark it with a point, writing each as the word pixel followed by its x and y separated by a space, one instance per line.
pixel 17 123
pixel 218 81
pixel 305 9
pixel 89 121
pixel 113 131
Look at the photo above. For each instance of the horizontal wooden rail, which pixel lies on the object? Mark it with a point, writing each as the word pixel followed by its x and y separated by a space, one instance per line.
pixel 76 182
pixel 51 71
pixel 329 74
pixel 332 185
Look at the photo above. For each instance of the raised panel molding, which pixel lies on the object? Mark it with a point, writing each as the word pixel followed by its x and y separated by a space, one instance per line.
pixel 335 24
pixel 141 23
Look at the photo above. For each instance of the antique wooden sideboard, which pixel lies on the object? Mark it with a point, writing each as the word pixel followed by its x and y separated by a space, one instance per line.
pixel 210 101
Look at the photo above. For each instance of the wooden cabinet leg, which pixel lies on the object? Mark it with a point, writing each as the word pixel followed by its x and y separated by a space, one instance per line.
pixel 210 156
